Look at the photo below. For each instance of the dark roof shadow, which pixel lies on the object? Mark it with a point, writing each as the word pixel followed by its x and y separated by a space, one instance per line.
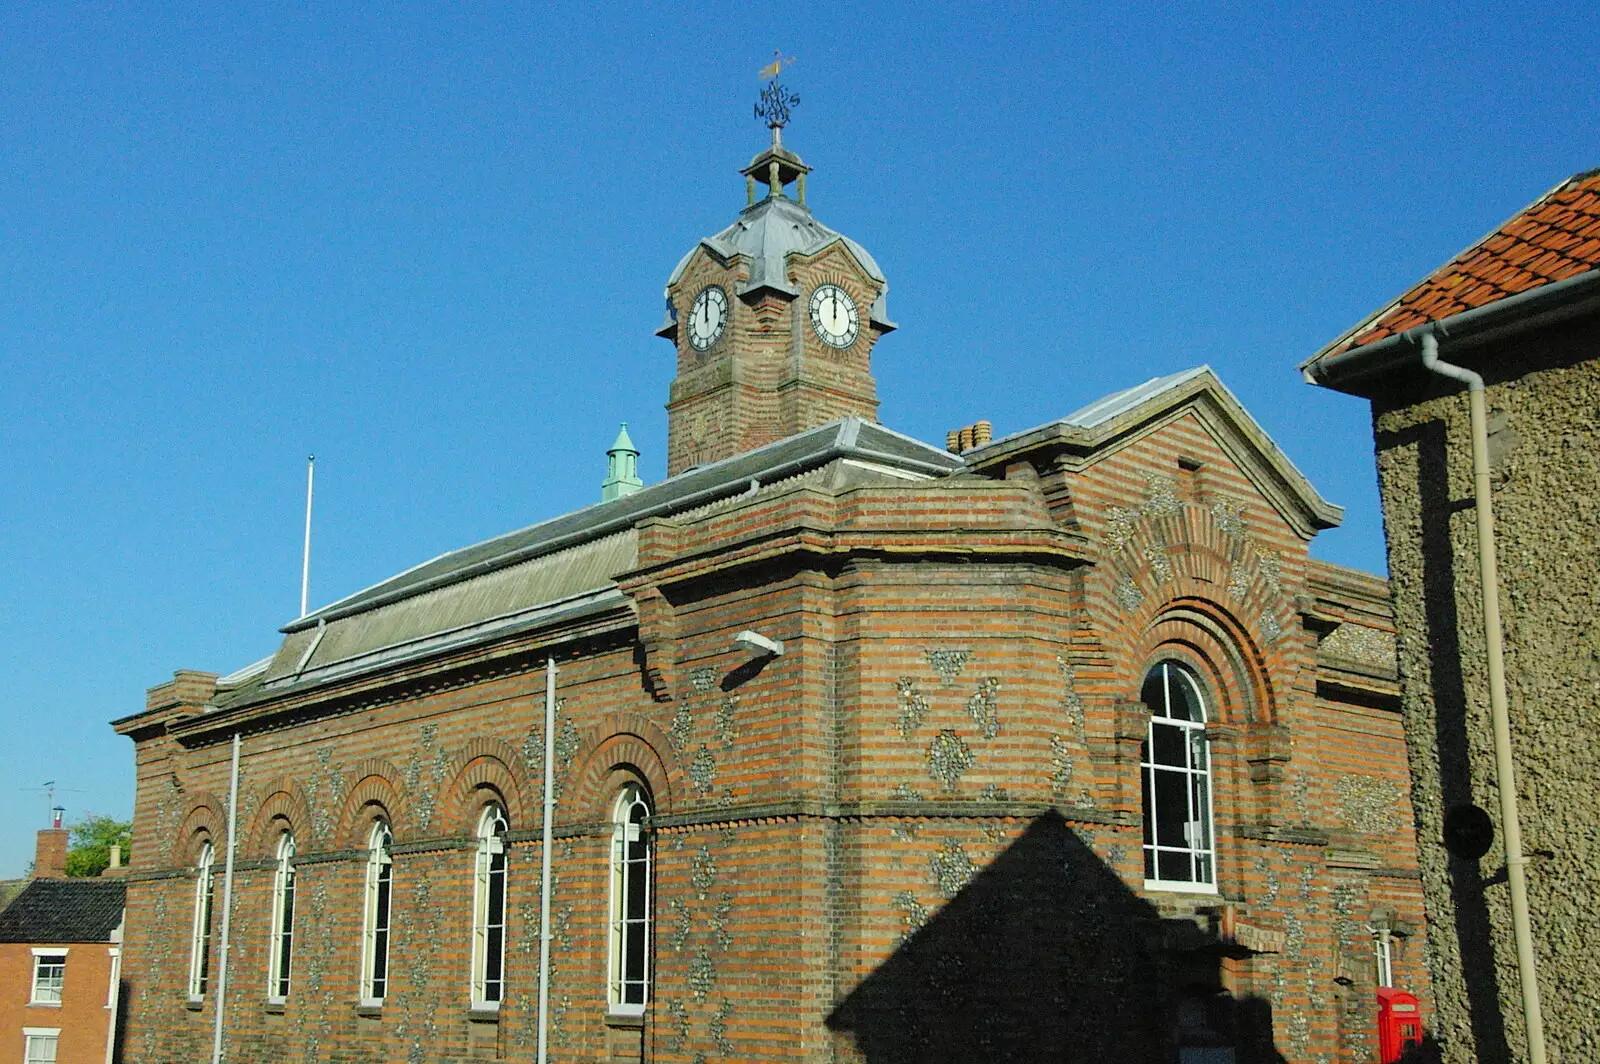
pixel 1047 956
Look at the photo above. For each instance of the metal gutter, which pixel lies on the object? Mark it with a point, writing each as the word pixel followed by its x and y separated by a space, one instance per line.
pixel 1544 305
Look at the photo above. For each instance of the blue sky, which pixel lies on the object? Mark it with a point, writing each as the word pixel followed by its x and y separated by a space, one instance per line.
pixel 429 244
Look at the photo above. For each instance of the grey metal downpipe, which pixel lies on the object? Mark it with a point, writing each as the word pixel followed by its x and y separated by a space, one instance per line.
pixel 1505 771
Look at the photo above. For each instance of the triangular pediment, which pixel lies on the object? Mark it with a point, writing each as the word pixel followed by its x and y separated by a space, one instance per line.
pixel 1120 420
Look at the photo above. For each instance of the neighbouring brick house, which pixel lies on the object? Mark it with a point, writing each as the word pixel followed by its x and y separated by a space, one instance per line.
pixel 1522 308
pixel 60 955
pixel 1059 747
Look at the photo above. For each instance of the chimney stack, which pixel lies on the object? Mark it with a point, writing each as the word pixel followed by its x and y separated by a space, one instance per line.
pixel 959 441
pixel 50 860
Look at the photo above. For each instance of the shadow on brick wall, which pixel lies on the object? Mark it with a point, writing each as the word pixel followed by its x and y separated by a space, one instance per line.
pixel 1047 956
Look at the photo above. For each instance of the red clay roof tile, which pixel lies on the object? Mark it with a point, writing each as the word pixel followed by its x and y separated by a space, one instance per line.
pixel 1555 237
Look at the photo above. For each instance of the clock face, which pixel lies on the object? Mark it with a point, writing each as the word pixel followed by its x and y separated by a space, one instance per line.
pixel 707 317
pixel 834 316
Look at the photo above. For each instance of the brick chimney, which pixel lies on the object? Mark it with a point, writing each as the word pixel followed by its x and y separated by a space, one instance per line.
pixel 50 860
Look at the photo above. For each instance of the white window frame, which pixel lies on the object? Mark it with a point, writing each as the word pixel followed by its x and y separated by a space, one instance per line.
pixel 41 994
pixel 489 894
pixel 114 984
pixel 376 910
pixel 34 1038
pixel 1383 955
pixel 1197 771
pixel 280 939
pixel 630 873
pixel 200 936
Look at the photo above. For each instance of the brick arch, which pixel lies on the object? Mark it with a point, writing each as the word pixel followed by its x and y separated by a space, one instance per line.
pixel 282 800
pixel 376 792
pixel 206 817
pixel 630 741
pixel 485 767
pixel 1225 636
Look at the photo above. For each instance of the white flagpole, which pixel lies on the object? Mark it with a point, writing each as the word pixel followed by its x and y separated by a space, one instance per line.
pixel 305 563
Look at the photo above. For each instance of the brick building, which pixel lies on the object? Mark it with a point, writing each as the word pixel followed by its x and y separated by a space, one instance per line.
pixel 60 959
pixel 1056 746
pixel 1521 307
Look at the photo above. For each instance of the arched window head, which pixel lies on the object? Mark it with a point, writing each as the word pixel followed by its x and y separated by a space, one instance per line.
pixel 489 909
pixel 281 951
pixel 200 938
pixel 1175 770
pixel 628 959
pixel 375 918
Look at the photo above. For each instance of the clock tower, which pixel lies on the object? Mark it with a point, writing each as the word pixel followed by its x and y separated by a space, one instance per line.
pixel 773 319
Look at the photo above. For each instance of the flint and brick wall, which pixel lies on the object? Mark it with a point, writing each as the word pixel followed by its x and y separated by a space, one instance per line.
pixel 915 834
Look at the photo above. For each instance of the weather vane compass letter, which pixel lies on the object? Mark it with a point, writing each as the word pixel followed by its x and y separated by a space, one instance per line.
pixel 776 101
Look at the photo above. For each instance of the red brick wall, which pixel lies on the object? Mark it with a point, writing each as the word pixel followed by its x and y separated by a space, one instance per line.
pixel 81 1017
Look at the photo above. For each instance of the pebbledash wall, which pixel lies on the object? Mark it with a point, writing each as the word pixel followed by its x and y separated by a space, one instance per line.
pixel 1541 400
pixel 915 834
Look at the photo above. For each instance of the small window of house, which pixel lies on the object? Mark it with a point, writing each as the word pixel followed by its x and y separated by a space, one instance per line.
pixel 200 937
pixel 49 976
pixel 629 953
pixel 280 959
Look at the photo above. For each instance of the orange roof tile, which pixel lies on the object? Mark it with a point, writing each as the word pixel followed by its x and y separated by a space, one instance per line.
pixel 1555 237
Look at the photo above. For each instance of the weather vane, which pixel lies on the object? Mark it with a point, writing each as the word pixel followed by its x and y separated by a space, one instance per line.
pixel 776 101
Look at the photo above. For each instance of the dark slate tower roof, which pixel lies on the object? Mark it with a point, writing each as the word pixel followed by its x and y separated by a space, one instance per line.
pixel 64 910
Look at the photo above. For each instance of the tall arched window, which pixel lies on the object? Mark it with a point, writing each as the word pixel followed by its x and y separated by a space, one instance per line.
pixel 1175 768
pixel 281 951
pixel 489 910
pixel 629 955
pixel 375 919
pixel 200 938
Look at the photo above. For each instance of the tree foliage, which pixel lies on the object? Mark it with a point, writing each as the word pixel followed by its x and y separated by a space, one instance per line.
pixel 89 849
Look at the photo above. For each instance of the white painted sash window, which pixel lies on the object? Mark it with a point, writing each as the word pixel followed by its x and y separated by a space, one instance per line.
pixel 281 955
pixel 489 910
pixel 200 937
pixel 49 976
pixel 629 954
pixel 1175 771
pixel 375 924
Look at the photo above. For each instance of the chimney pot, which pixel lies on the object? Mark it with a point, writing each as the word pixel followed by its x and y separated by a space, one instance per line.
pixel 952 441
pixel 982 433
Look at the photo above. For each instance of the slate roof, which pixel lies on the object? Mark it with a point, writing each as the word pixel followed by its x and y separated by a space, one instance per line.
pixel 64 910
pixel 849 437
pixel 1555 237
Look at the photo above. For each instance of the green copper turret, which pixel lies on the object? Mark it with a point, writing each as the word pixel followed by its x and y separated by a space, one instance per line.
pixel 622 468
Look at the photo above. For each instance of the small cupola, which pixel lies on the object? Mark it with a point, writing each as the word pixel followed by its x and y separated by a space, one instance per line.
pixel 622 468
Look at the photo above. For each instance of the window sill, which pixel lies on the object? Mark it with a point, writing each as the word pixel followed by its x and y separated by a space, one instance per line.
pixel 1169 887
pixel 274 1005
pixel 195 1004
pixel 369 1007
pixel 484 1012
pixel 626 1020
pixel 44 1004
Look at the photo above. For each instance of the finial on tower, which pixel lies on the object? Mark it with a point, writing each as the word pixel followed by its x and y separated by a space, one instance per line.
pixel 776 166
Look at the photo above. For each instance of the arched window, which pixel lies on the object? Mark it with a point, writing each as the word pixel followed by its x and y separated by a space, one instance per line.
pixel 200 939
pixel 489 910
pixel 281 950
pixel 629 955
pixel 375 919
pixel 1175 769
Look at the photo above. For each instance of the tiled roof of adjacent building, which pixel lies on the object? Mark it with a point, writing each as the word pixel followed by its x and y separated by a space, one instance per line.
pixel 1555 237
pixel 64 910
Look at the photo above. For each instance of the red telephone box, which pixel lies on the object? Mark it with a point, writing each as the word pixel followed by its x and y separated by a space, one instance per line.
pixel 1399 1023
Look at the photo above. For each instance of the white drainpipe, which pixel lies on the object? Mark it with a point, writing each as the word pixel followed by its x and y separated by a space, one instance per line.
pixel 544 878
pixel 1505 770
pixel 227 903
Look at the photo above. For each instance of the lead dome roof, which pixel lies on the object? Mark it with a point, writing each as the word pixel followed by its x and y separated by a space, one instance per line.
pixel 767 232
